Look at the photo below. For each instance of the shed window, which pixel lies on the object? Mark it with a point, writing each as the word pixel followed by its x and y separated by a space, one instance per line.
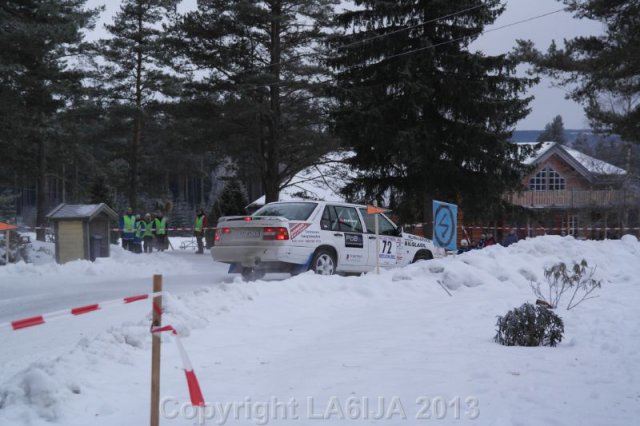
pixel 547 179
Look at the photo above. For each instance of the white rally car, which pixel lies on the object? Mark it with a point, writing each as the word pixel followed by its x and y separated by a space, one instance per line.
pixel 325 237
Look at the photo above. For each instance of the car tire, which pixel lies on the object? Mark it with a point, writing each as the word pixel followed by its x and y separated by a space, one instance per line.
pixel 252 274
pixel 324 262
pixel 422 255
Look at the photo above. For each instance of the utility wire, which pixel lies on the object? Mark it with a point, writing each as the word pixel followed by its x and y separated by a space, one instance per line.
pixel 411 27
pixel 408 52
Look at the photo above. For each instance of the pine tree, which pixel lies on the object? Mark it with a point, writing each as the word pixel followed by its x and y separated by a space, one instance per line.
pixel 261 64
pixel 40 40
pixel 135 74
pixel 553 131
pixel 426 117
pixel 600 71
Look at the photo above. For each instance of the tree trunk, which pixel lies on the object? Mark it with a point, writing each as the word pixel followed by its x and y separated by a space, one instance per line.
pixel 41 190
pixel 272 163
pixel 137 127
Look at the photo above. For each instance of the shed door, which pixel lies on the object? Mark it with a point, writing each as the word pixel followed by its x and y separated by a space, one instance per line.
pixel 70 241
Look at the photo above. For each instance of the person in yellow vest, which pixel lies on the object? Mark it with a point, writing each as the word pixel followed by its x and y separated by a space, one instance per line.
pixel 138 236
pixel 128 229
pixel 198 229
pixel 148 234
pixel 160 231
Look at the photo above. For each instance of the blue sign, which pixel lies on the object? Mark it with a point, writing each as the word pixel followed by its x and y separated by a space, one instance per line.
pixel 445 222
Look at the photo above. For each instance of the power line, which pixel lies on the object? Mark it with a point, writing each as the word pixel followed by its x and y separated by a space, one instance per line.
pixel 411 27
pixel 433 46
pixel 382 35
pixel 522 21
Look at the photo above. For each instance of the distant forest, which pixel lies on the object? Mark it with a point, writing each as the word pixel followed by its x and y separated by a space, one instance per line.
pixel 220 105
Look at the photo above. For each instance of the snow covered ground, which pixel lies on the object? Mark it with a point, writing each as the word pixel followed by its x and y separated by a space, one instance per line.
pixel 392 349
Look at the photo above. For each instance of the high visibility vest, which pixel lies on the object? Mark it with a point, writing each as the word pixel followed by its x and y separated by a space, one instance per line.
pixel 148 229
pixel 141 228
pixel 199 223
pixel 129 223
pixel 161 226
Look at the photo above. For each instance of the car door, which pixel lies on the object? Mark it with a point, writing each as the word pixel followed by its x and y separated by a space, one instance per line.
pixel 341 225
pixel 389 248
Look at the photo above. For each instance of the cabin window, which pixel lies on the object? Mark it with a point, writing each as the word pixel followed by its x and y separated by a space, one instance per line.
pixel 547 179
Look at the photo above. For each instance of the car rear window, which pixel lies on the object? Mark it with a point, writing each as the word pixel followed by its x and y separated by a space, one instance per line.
pixel 292 211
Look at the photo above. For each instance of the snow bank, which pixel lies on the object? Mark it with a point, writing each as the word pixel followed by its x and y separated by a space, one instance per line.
pixel 397 333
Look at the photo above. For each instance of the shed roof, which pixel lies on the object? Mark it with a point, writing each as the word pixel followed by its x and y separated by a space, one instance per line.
pixel 81 211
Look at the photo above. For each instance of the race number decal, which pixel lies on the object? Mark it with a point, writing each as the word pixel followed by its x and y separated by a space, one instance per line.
pixel 388 250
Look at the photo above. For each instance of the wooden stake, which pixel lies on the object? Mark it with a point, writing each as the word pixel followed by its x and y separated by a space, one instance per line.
pixel 8 246
pixel 377 230
pixel 155 353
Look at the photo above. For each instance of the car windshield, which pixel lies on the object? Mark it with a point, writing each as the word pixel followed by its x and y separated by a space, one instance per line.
pixel 292 211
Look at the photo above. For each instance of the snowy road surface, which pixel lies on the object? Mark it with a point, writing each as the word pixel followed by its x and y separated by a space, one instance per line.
pixel 392 349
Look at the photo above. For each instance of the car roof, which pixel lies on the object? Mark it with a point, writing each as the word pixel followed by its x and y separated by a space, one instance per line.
pixel 320 202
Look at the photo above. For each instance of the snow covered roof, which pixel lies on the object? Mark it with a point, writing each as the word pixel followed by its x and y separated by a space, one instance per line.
pixel 321 182
pixel 81 211
pixel 581 162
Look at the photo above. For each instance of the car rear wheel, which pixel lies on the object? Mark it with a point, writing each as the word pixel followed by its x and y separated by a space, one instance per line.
pixel 324 262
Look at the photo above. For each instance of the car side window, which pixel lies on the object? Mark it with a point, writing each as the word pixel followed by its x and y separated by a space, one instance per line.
pixel 347 220
pixel 385 227
pixel 328 219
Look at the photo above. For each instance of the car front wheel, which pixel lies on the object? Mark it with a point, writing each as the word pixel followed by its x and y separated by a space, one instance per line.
pixel 324 262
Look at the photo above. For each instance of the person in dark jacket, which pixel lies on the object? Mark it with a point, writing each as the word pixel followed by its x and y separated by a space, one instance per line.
pixel 482 242
pixel 511 238
pixel 148 234
pixel 160 231
pixel 127 229
pixel 199 226
pixel 138 235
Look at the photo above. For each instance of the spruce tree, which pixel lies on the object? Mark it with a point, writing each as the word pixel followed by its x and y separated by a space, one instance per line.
pixel 600 71
pixel 553 131
pixel 262 66
pixel 41 41
pixel 427 117
pixel 135 74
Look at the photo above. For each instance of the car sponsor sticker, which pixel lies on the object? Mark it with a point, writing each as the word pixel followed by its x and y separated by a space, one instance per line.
pixel 353 240
pixel 298 229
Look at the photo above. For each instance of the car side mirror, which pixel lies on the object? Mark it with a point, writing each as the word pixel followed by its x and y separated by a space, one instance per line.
pixel 399 231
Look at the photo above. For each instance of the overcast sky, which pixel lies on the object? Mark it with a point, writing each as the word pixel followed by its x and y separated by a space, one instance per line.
pixel 549 101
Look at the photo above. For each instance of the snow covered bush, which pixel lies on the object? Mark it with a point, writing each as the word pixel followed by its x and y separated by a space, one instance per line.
pixel 529 325
pixel 578 281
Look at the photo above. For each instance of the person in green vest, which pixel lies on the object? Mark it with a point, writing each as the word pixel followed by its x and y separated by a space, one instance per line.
pixel 147 238
pixel 160 231
pixel 199 226
pixel 139 235
pixel 127 229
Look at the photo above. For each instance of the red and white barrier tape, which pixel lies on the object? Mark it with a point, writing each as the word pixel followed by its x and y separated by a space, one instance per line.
pixel 195 394
pixel 79 310
pixel 46 228
pixel 539 228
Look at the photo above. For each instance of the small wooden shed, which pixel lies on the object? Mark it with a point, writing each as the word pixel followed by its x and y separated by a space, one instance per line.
pixel 82 231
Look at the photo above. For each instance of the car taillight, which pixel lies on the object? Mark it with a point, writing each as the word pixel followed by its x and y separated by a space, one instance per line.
pixel 220 231
pixel 279 234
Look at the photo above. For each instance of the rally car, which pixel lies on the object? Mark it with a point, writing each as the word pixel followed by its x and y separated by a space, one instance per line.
pixel 326 237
